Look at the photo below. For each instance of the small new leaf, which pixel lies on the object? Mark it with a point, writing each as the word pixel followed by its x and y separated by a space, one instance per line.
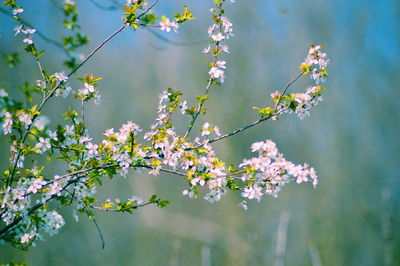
pixel 186 15
pixel 264 111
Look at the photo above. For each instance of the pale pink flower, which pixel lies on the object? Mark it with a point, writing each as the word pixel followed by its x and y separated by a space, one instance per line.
pixel 218 37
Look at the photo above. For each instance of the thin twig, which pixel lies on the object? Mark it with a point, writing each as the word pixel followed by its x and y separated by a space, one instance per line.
pixel 236 131
pixel 148 9
pixel 103 243
pixel 41 69
pixel 97 48
pixel 38 32
pixel 83 111
pixel 173 172
pixel 286 88
pixel 261 119
pixel 206 90
pixel 115 211
pixel 198 110
pixel 108 39
pixel 28 35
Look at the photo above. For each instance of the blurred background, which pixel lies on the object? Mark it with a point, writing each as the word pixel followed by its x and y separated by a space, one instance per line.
pixel 351 138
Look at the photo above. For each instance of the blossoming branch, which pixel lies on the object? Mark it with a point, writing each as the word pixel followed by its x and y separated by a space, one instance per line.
pixel 26 193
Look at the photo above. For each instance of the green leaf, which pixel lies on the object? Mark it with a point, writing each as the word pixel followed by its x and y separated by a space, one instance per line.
pixel 39 54
pixel 202 99
pixel 149 18
pixel 135 25
pixel 153 198
pixel 305 68
pixel 163 203
pixel 12 59
pixel 107 205
pixel 264 111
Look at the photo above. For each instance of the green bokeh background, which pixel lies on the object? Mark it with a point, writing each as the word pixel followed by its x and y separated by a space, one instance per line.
pixel 351 138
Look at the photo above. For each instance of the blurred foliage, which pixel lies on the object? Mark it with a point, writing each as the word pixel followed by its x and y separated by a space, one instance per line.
pixel 351 138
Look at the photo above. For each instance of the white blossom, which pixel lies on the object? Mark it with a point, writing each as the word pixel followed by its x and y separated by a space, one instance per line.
pixel 61 76
pixel 166 25
pixel 28 40
pixel 43 145
pixel 205 129
pixel 35 185
pixel 29 31
pixel 8 122
pixel 218 37
pixel 92 149
pixel 217 73
pixel 18 29
pixel 183 107
pixel 53 222
pixel 17 11
pixel 41 122
pixel 25 119
pixel 137 200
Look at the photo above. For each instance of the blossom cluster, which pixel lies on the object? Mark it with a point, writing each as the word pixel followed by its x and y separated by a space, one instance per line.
pixel 218 32
pixel 167 24
pixel 316 62
pixel 28 32
pixel 271 171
